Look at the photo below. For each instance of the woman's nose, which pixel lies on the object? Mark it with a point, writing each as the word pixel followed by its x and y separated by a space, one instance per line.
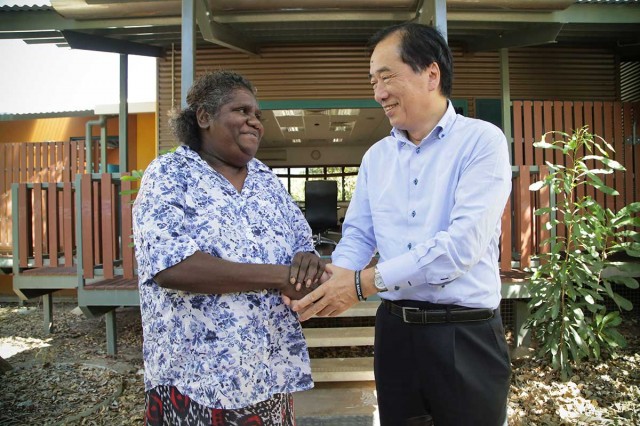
pixel 255 122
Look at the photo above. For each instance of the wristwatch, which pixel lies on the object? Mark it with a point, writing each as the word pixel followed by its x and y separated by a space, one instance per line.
pixel 377 280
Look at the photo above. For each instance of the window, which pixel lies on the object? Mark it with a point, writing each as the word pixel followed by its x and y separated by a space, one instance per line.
pixel 294 178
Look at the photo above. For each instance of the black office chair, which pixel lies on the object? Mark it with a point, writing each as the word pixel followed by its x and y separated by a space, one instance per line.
pixel 321 208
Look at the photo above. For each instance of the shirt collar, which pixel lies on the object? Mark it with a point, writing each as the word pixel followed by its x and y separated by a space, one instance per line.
pixel 440 131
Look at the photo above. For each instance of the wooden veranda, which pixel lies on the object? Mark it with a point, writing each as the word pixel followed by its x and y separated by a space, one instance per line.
pixel 77 233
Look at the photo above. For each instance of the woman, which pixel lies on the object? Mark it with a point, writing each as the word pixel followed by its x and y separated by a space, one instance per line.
pixel 214 230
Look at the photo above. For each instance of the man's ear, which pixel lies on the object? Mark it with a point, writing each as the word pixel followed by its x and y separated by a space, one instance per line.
pixel 433 74
pixel 203 118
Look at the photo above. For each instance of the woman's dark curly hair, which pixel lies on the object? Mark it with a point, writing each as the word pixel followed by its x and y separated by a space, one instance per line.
pixel 420 46
pixel 210 91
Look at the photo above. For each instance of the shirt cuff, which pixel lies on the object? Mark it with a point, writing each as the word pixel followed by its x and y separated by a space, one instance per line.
pixel 401 272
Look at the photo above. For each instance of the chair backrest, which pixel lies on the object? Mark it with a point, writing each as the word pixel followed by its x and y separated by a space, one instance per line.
pixel 321 204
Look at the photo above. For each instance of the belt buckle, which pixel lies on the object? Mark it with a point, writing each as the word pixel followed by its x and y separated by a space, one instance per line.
pixel 404 312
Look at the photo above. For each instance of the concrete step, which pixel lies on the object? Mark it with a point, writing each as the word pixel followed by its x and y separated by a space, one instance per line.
pixel 360 309
pixel 337 404
pixel 339 336
pixel 342 369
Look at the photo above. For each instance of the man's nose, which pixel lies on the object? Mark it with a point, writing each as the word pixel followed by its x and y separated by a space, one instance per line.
pixel 380 93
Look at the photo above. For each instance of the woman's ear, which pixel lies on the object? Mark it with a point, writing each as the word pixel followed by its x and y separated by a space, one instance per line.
pixel 203 118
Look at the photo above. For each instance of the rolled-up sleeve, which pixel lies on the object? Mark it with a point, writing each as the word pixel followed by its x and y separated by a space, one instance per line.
pixel 160 237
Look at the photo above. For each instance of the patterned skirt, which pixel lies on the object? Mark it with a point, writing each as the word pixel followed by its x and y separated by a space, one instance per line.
pixel 166 406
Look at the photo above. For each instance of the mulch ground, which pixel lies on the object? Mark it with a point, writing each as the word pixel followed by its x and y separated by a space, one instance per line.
pixel 66 378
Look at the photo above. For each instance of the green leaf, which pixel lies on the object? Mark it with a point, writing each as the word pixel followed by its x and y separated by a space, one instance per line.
pixel 607 161
pixel 625 221
pixel 630 282
pixel 537 185
pixel 612 319
pixel 622 302
pixel 632 268
pixel 543 210
pixel 545 145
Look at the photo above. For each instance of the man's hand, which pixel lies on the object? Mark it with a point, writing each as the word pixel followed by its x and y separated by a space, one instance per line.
pixel 331 298
pixel 291 293
pixel 306 268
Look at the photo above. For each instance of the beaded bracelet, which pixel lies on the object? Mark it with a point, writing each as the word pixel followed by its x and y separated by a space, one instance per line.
pixel 359 287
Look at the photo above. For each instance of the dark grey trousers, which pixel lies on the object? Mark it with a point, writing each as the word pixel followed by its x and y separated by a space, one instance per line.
pixel 457 372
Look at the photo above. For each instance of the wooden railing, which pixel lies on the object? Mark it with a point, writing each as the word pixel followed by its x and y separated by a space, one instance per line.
pixel 36 162
pixel 44 234
pixel 85 224
pixel 617 122
pixel 522 231
pixel 106 227
pixel 46 225
pixel 88 224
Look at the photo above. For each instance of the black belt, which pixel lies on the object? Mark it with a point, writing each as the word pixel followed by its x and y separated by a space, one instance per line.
pixel 412 315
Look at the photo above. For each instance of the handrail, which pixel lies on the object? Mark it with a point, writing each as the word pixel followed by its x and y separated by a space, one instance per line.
pixel 104 225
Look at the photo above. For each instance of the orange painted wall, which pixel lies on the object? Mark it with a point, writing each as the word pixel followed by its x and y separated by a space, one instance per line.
pixel 141 150
pixel 44 129
pixel 147 147
pixel 63 128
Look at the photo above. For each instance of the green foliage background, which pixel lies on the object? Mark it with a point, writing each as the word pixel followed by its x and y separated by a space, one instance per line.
pixel 569 311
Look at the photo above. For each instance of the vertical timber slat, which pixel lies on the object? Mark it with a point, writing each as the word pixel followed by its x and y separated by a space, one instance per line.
pixel 37 225
pixel 68 216
pixel 517 133
pixel 618 145
pixel 127 231
pixel 52 219
pixel 24 218
pixel 87 225
pixel 526 223
pixel 537 132
pixel 106 205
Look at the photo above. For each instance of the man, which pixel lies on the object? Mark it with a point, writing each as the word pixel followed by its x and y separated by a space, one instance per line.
pixel 429 198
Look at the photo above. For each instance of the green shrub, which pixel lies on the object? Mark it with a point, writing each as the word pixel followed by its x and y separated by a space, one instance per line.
pixel 569 314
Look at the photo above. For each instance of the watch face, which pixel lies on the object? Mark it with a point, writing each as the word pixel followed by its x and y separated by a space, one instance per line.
pixel 377 280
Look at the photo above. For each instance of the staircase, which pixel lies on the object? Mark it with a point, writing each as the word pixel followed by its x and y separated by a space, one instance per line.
pixel 341 335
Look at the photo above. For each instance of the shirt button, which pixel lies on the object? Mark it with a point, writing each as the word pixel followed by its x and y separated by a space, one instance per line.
pixel 413 213
pixel 415 181
pixel 418 150
pixel 409 246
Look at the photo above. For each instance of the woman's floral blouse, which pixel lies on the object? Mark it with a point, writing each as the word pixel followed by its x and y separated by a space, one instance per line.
pixel 222 350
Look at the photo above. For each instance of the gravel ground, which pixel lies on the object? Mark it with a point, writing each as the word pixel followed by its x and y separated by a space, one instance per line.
pixel 67 378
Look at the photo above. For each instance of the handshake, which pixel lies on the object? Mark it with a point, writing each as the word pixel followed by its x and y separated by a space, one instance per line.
pixel 318 288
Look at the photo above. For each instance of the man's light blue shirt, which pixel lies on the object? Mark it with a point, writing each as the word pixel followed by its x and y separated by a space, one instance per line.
pixel 433 213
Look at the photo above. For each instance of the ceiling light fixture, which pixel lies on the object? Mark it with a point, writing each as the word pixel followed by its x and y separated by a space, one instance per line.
pixel 288 112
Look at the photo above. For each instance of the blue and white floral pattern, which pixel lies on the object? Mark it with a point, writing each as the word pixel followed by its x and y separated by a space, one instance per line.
pixel 222 350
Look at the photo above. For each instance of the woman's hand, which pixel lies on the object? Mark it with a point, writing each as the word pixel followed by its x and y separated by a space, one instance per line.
pixel 331 298
pixel 290 293
pixel 306 269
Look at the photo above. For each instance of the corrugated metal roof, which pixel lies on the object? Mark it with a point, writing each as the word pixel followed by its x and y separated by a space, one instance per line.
pixel 24 5
pixel 52 114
